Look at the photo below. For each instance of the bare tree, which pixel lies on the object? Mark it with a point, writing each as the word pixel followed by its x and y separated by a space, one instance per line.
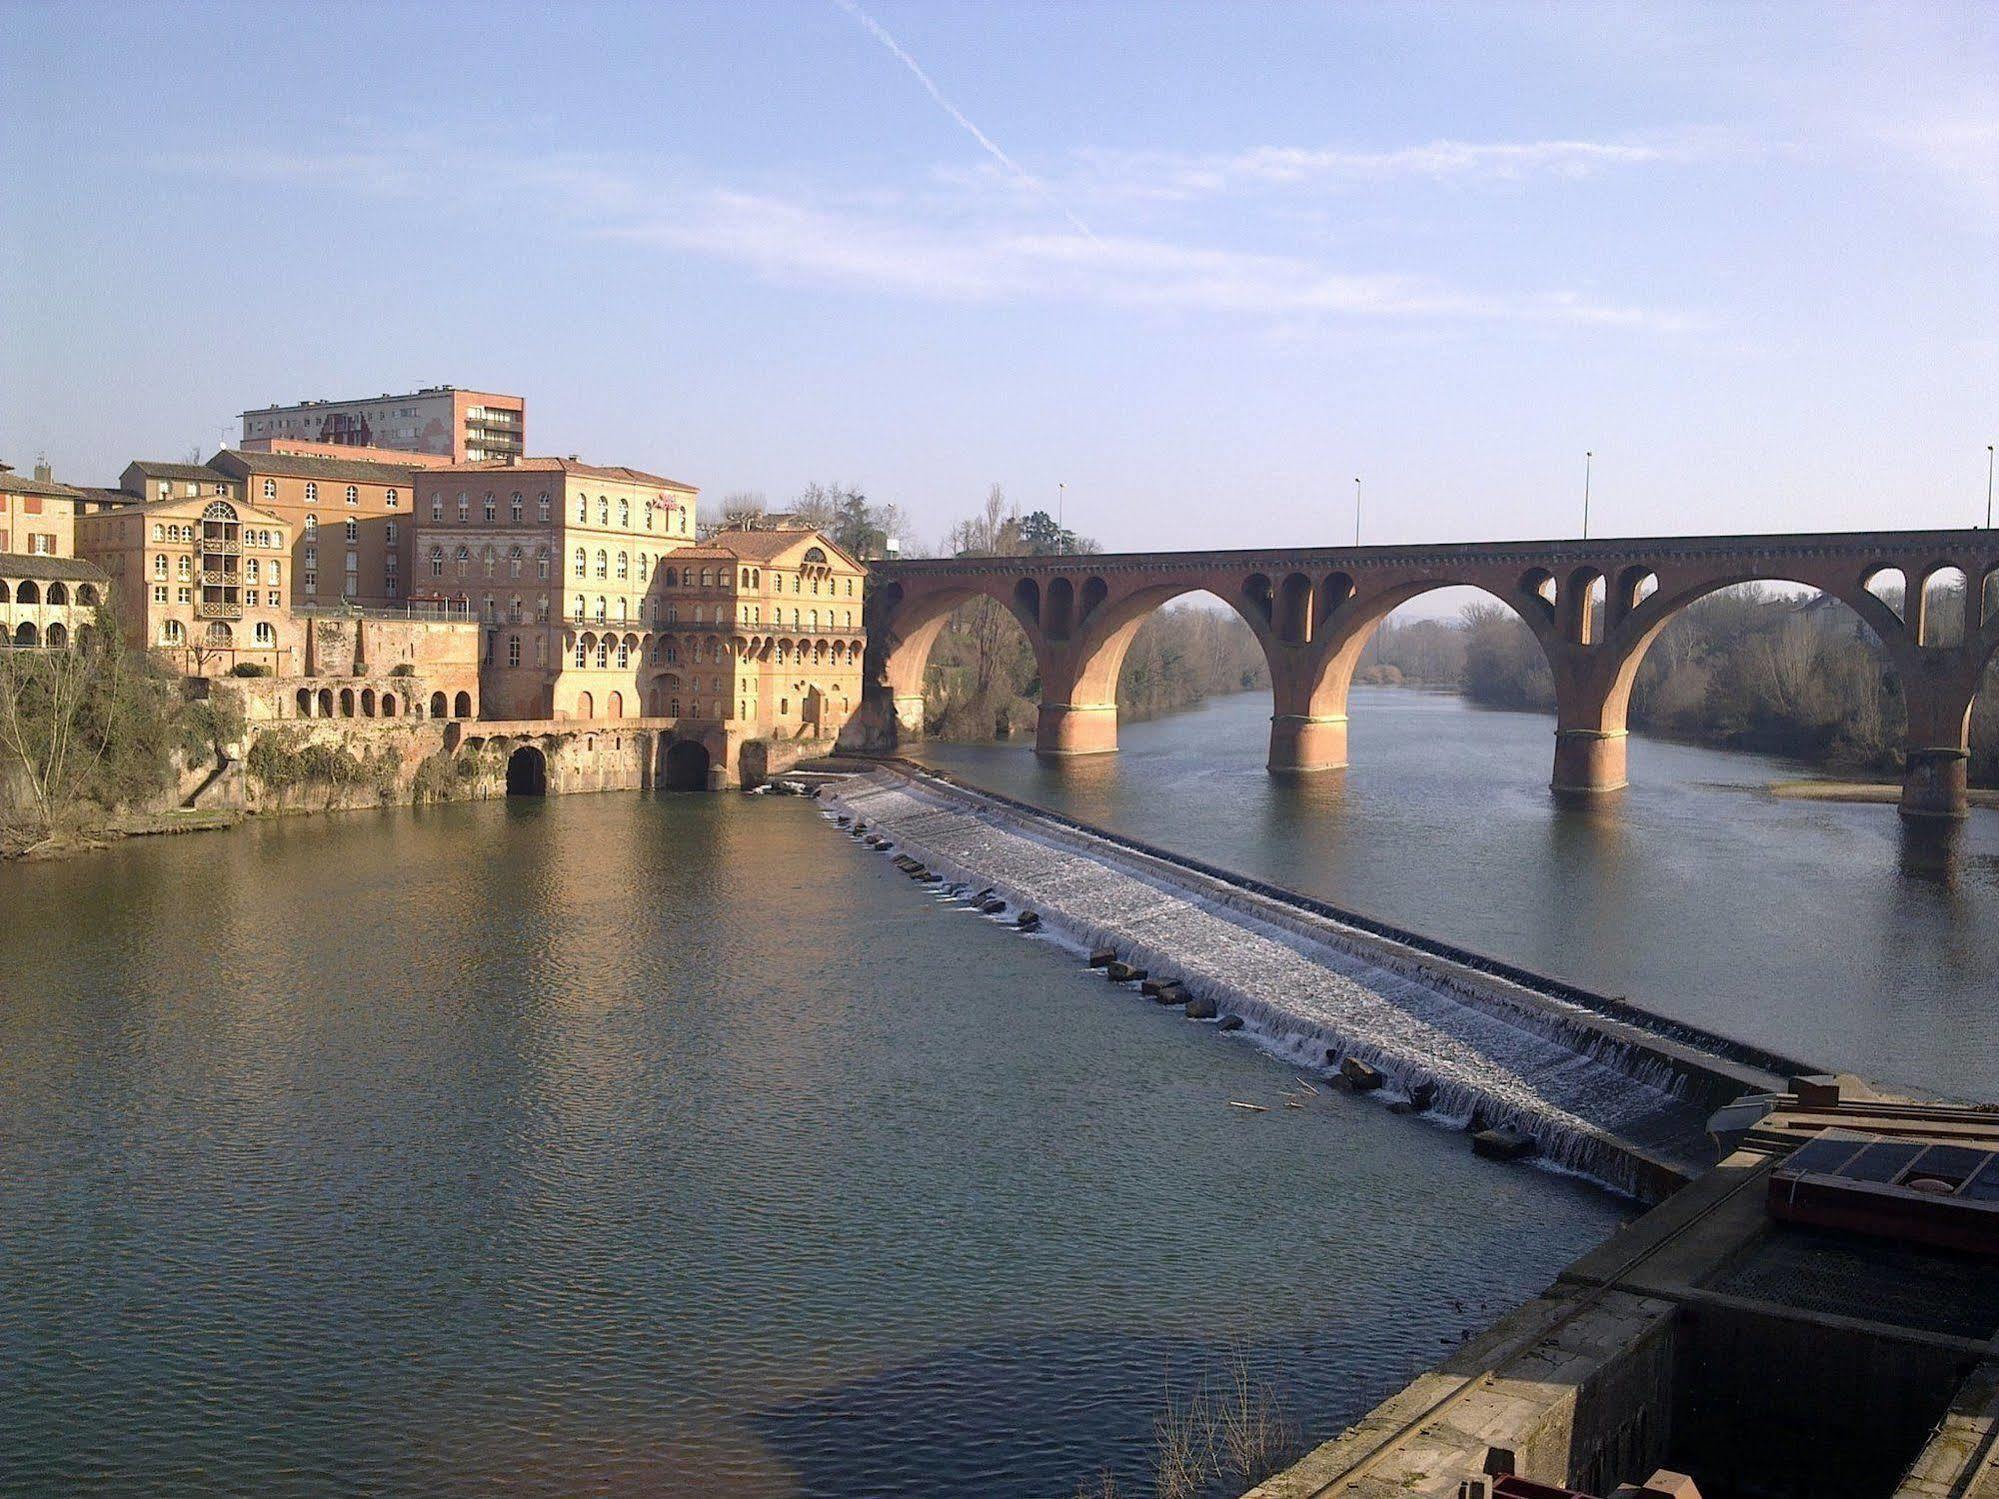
pixel 47 698
pixel 741 509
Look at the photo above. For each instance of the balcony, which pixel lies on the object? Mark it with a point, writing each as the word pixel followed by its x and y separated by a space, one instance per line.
pixel 227 546
pixel 205 609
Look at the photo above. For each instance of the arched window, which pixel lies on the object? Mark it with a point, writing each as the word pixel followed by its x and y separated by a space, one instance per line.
pixel 651 506
pixel 437 507
pixel 437 562
pixel 488 561
pixel 700 614
pixel 353 495
pixel 624 565
pixel 514 559
pixel 311 525
pixel 707 578
pixel 622 604
pixel 582 563
pixel 687 577
pixel 541 561
pixel 250 571
pixel 390 500
pixel 603 510
pixel 580 606
pixel 601 613
pixel 270 489
pixel 583 507
pixel 603 563
pixel 813 554
pixel 181 568
pixel 160 565
pixel 514 507
pixel 514 613
pixel 642 567
pixel 171 632
pixel 353 529
pixel 311 492
pixel 464 560
pixel 624 515
pixel 263 634
pixel 541 506
pixel 489 508
pixel 159 532
pixel 464 508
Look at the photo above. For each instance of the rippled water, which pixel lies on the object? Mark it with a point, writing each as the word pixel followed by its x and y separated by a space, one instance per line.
pixel 620 1145
pixel 1835 933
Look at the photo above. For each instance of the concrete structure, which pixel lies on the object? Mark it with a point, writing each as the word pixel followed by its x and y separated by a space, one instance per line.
pixel 199 577
pixel 1594 606
pixel 1713 1340
pixel 466 426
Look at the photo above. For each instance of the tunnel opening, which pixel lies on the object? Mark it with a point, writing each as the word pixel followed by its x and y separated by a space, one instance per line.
pixel 687 762
pixel 527 772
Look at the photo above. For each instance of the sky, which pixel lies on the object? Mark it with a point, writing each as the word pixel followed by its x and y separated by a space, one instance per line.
pixel 1203 265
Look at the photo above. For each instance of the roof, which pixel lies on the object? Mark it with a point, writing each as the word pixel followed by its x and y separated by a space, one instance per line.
pixel 59 569
pixel 195 503
pixel 104 499
pixel 409 395
pixel 27 484
pixel 201 473
pixel 769 545
pixel 300 466
pixel 617 475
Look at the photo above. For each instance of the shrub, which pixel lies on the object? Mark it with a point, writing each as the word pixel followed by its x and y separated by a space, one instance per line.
pixel 249 669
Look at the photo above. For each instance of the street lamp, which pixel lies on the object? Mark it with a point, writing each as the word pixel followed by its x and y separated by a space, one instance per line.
pixel 1988 486
pixel 1588 456
pixel 1356 512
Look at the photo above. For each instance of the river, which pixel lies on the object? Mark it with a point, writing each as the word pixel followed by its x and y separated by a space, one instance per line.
pixel 668 1146
pixel 1835 933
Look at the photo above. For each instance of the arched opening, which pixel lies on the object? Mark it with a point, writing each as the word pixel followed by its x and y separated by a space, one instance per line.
pixel 1581 607
pixel 1944 609
pixel 586 707
pixel 527 772
pixel 1294 609
pixel 57 636
pixel 86 595
pixel 1095 590
pixel 58 594
pixel 687 763
pixel 614 705
pixel 1890 586
pixel 1635 585
pixel 388 705
pixel 367 702
pixel 957 664
pixel 439 706
pixel 305 702
pixel 1257 599
pixel 1334 591
pixel 347 702
pixel 461 705
pixel 1059 615
pixel 326 702
pixel 25 635
pixel 27 592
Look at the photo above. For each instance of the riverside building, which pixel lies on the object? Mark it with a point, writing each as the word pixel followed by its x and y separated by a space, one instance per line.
pixel 48 596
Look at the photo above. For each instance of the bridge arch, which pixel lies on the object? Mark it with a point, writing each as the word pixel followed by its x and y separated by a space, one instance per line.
pixel 904 631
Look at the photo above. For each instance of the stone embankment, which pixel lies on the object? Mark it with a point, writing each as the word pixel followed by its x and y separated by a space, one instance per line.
pixel 1579 1080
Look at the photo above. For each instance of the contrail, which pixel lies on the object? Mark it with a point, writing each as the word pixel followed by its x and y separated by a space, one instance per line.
pixel 991 148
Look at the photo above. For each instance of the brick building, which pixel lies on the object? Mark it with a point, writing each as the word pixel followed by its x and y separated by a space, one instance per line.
pixel 465 426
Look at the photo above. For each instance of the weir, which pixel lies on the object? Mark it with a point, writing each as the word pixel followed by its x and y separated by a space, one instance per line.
pixel 1600 1088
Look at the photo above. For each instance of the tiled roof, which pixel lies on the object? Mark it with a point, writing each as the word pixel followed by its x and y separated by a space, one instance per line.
pixel 201 473
pixel 56 569
pixel 193 503
pixel 565 466
pixel 29 484
pixel 238 464
pixel 105 499
pixel 768 546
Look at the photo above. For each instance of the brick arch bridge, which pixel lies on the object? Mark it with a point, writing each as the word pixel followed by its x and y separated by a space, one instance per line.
pixel 1594 606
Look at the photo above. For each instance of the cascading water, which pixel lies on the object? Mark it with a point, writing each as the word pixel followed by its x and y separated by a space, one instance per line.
pixel 1594 1100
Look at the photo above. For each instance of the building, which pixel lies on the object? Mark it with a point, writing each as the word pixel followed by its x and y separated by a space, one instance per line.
pixel 348 518
pixel 201 577
pixel 465 426
pixel 36 513
pixel 48 596
pixel 537 548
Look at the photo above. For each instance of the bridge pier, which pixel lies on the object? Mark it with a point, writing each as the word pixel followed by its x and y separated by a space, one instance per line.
pixel 908 717
pixel 1302 742
pixel 1063 729
pixel 1935 782
pixel 1590 760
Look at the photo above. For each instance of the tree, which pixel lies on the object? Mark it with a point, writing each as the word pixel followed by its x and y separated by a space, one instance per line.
pixel 1043 536
pixel 742 508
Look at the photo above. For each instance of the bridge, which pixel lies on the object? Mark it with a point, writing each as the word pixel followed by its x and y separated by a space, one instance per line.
pixel 1595 606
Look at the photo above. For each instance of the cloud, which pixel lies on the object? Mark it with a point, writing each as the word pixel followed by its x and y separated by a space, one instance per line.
pixel 959 251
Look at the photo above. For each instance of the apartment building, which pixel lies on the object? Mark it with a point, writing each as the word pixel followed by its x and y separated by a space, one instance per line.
pixel 464 426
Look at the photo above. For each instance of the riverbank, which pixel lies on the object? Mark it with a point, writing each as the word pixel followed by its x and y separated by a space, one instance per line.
pixel 32 847
pixel 1866 793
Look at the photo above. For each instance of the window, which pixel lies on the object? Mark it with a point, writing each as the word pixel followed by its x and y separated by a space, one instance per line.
pixel 624 565
pixel 577 612
pixel 389 500
pixel 437 507
pixel 270 489
pixel 603 564
pixel 541 650
pixel 625 514
pixel 514 557
pixel 184 595
pixel 311 580
pixel 159 593
pixel 263 634
pixel 603 511
pixel 464 560
pixel 514 610
pixel 311 555
pixel 622 602
pixel 541 507
pixel 651 506
pixel 541 562
pixel 487 561
pixel 390 563
pixel 353 495
pixel 160 566
pixel 514 511
pixel 159 532
pixel 250 571
pixel 541 609
pixel 603 655
pixel 389 533
pixel 353 567
pixel 181 567
pixel 390 586
pixel 600 609
pixel 171 632
pixel 489 509
pixel 624 655
pixel 514 645
pixel 582 654
pixel 700 614
pixel 272 576
pixel 311 492
pixel 642 567
pixel 437 562
pixel 353 529
pixel 464 508
pixel 583 508
pixel 311 525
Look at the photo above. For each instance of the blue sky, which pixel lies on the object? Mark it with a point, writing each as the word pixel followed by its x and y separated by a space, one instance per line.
pixel 1205 264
